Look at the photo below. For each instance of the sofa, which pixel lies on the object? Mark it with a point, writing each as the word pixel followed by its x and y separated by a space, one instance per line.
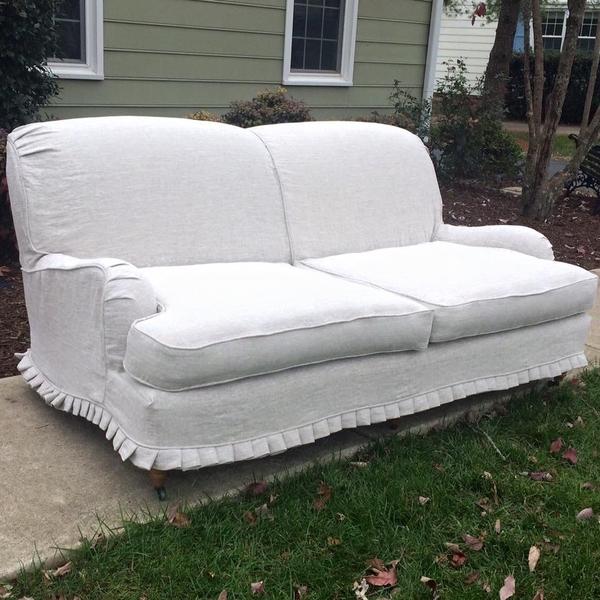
pixel 208 294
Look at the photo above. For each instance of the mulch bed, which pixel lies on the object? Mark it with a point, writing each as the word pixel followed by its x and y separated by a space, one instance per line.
pixel 572 230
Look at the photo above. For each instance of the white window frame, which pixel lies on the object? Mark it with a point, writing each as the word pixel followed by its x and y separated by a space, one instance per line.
pixel 93 68
pixel 564 27
pixel 344 77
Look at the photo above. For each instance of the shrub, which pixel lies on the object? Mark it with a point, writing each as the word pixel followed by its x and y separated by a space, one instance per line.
pixel 204 115
pixel 466 138
pixel 576 91
pixel 27 39
pixel 8 245
pixel 267 108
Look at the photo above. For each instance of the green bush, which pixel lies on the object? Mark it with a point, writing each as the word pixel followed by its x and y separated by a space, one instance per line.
pixel 8 245
pixel 466 137
pixel 576 91
pixel 267 108
pixel 204 115
pixel 27 39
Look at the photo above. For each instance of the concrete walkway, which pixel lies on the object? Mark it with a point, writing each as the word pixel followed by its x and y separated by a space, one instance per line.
pixel 60 477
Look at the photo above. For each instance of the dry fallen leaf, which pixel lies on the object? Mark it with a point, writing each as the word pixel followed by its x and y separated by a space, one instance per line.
pixel 324 492
pixel 223 595
pixel 175 518
pixel 360 464
pixel 587 486
pixel 571 455
pixel 257 487
pixel 62 571
pixel 300 591
pixel 541 476
pixel 539 595
pixel 331 541
pixel 487 475
pixel 484 505
pixel 458 559
pixel 375 564
pixel 532 559
pixel 263 511
pixel 430 583
pixel 547 546
pixel 258 588
pixel 285 556
pixel 452 547
pixel 360 589
pixel 383 579
pixel 250 518
pixel 486 586
pixel 586 513
pixel 578 422
pixel 472 542
pixel 508 589
pixel 472 578
pixel 423 500
pixel 5 590
pixel 556 445
pixel 497 526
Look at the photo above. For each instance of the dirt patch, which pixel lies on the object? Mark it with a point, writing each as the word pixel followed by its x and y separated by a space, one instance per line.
pixel 572 229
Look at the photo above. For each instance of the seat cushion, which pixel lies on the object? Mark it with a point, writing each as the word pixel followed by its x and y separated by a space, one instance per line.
pixel 222 322
pixel 472 290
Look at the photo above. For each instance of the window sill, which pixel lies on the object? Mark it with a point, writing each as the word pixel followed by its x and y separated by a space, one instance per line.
pixel 74 71
pixel 317 79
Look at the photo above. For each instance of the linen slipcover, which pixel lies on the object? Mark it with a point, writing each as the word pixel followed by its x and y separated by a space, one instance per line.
pixel 472 290
pixel 353 187
pixel 224 322
pixel 104 208
pixel 151 192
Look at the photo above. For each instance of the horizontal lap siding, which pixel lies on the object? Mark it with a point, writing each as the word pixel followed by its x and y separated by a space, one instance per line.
pixel 173 57
pixel 460 39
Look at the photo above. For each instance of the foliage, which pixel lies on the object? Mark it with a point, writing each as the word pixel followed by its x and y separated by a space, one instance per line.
pixel 27 39
pixel 204 115
pixel 414 113
pixel 462 506
pixel 8 246
pixel 576 91
pixel 467 139
pixel 267 108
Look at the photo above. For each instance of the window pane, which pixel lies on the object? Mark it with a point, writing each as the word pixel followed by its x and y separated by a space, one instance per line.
pixel 69 9
pixel 585 44
pixel 552 43
pixel 69 40
pixel 299 29
pixel 312 58
pixel 329 57
pixel 314 24
pixel 334 3
pixel 315 2
pixel 297 53
pixel 331 24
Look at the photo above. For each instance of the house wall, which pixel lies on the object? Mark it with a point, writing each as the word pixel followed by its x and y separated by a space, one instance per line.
pixel 460 39
pixel 173 57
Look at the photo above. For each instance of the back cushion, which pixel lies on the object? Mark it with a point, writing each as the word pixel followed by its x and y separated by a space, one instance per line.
pixel 151 191
pixel 353 187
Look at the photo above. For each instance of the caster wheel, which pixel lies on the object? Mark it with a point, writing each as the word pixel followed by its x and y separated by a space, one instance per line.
pixel 161 493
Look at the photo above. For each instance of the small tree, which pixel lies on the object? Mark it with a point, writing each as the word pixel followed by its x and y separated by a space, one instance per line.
pixel 540 192
pixel 27 39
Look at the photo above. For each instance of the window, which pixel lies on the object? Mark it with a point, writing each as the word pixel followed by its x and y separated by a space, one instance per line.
pixel 319 42
pixel 80 53
pixel 554 26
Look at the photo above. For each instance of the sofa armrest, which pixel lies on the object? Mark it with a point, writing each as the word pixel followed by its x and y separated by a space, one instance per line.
pixel 80 312
pixel 512 237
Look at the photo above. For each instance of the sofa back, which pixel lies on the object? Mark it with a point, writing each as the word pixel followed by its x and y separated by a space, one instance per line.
pixel 151 191
pixel 353 187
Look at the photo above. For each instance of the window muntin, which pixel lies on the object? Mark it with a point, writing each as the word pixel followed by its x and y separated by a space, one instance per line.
pixel 553 24
pixel 587 36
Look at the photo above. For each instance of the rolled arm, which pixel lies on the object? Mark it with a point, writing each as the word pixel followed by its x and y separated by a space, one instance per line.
pixel 512 237
pixel 80 311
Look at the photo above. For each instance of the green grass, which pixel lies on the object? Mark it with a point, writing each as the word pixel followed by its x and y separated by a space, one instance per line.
pixel 374 511
pixel 563 147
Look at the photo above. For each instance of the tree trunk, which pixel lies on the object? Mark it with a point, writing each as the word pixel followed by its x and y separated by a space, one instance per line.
pixel 538 196
pixel 585 119
pixel 496 72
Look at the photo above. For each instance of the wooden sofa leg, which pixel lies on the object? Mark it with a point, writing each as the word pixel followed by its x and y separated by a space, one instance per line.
pixel 557 380
pixel 159 479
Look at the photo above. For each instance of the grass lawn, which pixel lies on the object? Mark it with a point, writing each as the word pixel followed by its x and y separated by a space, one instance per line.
pixel 410 502
pixel 563 147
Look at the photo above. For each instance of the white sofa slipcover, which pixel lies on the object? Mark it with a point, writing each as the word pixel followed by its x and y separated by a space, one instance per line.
pixel 207 294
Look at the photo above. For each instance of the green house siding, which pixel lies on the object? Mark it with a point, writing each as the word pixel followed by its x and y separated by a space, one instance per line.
pixel 173 57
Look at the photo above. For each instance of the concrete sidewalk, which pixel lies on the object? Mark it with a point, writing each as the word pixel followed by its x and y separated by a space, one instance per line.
pixel 60 476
